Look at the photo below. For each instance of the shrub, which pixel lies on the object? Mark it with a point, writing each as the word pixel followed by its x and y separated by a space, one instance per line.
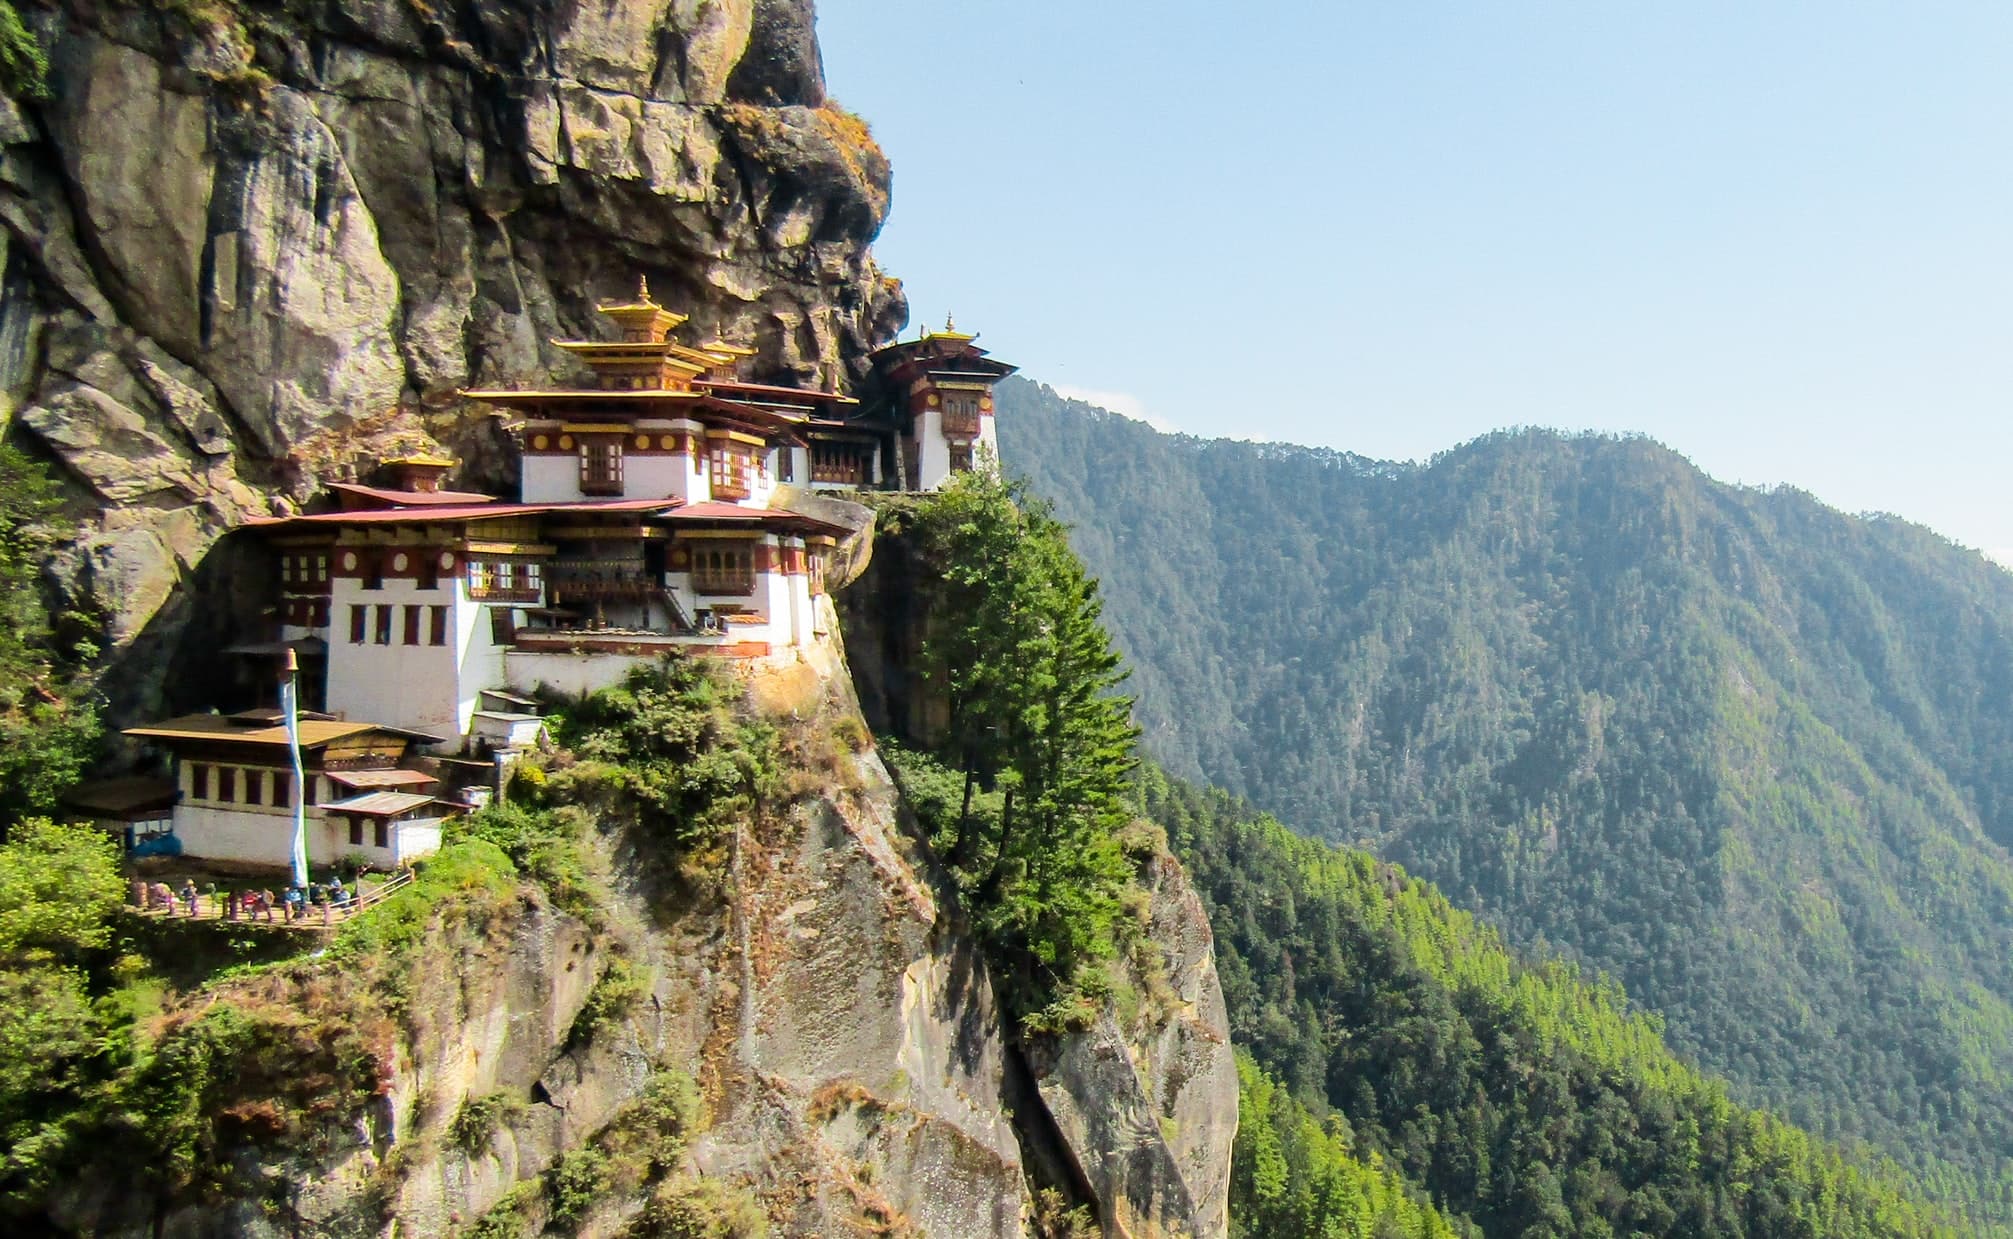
pixel 620 987
pixel 693 1208
pixel 476 1123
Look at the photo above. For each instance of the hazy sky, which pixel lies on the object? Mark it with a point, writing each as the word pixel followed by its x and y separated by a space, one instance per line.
pixel 1778 236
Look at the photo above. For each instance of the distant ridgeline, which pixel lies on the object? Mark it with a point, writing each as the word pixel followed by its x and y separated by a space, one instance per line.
pixel 1750 756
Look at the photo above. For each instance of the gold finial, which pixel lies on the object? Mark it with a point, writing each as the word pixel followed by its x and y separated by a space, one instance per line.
pixel 950 324
pixel 643 290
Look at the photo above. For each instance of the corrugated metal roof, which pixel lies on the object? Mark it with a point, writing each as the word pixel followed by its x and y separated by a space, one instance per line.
pixel 378 804
pixel 380 778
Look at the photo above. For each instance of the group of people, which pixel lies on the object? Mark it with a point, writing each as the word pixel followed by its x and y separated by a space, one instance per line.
pixel 293 904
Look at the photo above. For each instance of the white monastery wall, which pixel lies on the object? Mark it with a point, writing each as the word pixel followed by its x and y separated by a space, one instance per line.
pixel 411 686
pixel 933 463
pixel 549 479
pixel 479 659
pixel 566 672
pixel 657 477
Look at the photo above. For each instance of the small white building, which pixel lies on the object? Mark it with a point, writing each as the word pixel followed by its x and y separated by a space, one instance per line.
pixel 235 792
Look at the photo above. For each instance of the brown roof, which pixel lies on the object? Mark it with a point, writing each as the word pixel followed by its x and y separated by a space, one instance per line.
pixel 314 732
pixel 788 393
pixel 114 797
pixel 410 498
pixel 380 778
pixel 717 512
pixel 378 804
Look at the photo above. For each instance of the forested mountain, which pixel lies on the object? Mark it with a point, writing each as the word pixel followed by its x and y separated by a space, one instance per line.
pixel 1752 757
pixel 1523 1100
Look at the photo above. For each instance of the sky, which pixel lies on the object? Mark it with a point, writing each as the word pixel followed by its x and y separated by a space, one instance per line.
pixel 1777 237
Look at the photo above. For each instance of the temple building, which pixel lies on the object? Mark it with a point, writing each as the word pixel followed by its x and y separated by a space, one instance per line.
pixel 933 397
pixel 653 515
pixel 236 792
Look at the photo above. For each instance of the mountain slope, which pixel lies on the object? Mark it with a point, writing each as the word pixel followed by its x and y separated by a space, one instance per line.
pixel 1751 756
pixel 1524 1100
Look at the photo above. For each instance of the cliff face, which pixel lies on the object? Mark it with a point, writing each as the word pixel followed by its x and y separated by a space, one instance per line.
pixel 827 1012
pixel 243 241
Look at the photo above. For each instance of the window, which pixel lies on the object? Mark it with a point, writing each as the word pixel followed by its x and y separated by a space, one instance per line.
pixel 318 614
pixel 429 572
pixel 728 462
pixel 358 621
pixel 252 778
pixel 287 563
pixel 281 785
pixel 438 625
pixel 786 464
pixel 321 562
pixel 381 833
pixel 199 781
pixel 384 624
pixel 961 458
pixel 843 464
pixel 227 784
pixel 356 832
pixel 961 415
pixel 504 581
pixel 723 570
pixel 373 570
pixel 601 466
pixel 411 624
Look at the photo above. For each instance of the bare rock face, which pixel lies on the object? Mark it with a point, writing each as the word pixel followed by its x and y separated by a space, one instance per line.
pixel 1146 1112
pixel 243 246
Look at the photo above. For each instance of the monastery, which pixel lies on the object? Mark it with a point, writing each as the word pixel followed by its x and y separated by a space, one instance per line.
pixel 654 514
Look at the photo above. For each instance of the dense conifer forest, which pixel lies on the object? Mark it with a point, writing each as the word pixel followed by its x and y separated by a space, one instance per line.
pixel 1749 756
pixel 1521 1099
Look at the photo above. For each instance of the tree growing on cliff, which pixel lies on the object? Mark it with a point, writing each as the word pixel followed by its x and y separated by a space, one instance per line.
pixel 48 727
pixel 1032 720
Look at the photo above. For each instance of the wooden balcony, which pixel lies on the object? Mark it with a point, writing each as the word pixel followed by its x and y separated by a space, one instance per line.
pixel 497 593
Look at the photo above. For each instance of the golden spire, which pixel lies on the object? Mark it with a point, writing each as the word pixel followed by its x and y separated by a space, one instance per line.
pixel 643 290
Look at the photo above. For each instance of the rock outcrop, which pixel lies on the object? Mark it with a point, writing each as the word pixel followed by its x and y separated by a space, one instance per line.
pixel 1147 1111
pixel 245 240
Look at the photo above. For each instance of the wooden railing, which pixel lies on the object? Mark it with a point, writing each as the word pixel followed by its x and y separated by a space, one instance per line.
pixel 211 909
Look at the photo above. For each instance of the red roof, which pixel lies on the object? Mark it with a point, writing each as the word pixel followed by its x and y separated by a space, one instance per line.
pixel 717 510
pixel 698 513
pixel 409 498
pixel 469 511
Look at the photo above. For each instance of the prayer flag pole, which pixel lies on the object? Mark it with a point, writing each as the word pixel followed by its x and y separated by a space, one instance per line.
pixel 290 707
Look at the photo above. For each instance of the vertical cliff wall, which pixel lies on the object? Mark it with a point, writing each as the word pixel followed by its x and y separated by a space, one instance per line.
pixel 241 240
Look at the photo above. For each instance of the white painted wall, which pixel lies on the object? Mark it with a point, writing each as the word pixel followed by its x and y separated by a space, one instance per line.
pixel 239 834
pixel 563 671
pixel 550 479
pixel 413 686
pixel 480 656
pixel 657 477
pixel 933 453
pixel 248 836
pixel 988 446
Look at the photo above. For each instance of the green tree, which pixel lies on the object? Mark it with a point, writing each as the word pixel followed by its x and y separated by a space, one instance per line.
pixel 48 723
pixel 1033 723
